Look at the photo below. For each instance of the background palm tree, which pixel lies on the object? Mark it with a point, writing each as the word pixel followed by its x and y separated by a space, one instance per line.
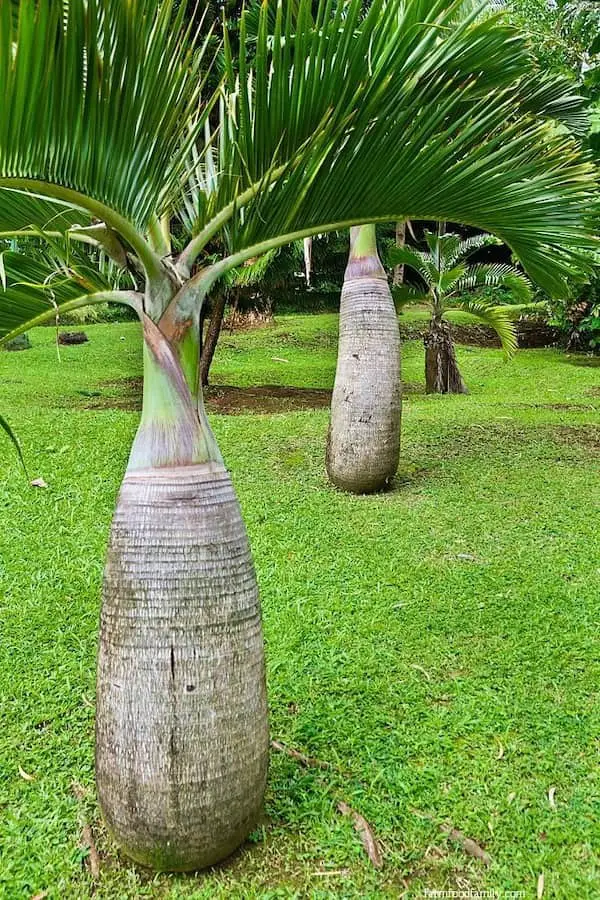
pixel 105 140
pixel 363 442
pixel 364 435
pixel 448 281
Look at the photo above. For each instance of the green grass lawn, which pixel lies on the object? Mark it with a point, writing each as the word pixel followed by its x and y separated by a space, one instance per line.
pixel 438 644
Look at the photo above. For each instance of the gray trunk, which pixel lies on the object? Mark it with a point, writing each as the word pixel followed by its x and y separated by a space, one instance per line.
pixel 181 721
pixel 364 434
pixel 398 276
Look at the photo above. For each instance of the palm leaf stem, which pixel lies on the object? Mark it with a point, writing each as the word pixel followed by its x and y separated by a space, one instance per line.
pixel 128 298
pixel 157 237
pixel 149 259
pixel 184 304
pixel 191 252
pixel 15 441
pixel 74 235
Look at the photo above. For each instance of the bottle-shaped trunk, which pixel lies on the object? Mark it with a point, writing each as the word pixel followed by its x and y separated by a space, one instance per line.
pixel 181 723
pixel 442 375
pixel 364 434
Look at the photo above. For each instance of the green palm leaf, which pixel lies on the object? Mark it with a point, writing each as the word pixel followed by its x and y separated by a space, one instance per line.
pixel 500 318
pixel 448 279
pixel 435 148
pixel 472 244
pixel 345 117
pixel 14 440
pixel 422 263
pixel 25 213
pixel 108 108
pixel 408 295
pixel 496 275
pixel 38 289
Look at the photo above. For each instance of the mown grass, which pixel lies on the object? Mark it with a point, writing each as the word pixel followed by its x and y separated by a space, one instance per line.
pixel 438 644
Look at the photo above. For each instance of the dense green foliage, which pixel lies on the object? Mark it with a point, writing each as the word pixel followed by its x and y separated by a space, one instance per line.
pixel 435 644
pixel 402 87
pixel 578 317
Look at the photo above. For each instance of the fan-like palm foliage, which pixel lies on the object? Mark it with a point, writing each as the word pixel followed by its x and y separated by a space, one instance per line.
pixel 109 125
pixel 448 280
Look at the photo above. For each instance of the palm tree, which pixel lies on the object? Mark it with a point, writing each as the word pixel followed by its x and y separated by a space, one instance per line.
pixel 449 280
pixel 363 443
pixel 105 139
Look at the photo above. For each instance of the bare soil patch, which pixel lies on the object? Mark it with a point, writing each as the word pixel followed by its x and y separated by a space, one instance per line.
pixel 264 398
pixel 587 436
pixel 220 398
pixel 224 399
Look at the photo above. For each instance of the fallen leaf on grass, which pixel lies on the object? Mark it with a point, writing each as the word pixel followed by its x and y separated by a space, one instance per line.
pixel 41 896
pixel 78 790
pixel 500 752
pixel 540 886
pixel 39 483
pixel 87 837
pixel 365 832
pixel 25 775
pixel 279 359
pixel 421 669
pixel 93 858
pixel 332 873
pixel 308 761
pixel 468 845
pixel 511 797
pixel 551 800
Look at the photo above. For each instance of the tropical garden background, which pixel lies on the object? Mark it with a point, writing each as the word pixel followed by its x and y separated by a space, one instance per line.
pixel 338 260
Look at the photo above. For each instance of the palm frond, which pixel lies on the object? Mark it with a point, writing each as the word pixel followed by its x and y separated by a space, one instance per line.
pixel 496 275
pixel 253 271
pixel 22 212
pixel 449 278
pixel 472 244
pixel 497 317
pixel 420 262
pixel 408 295
pixel 43 286
pixel 442 247
pixel 402 94
pixel 555 97
pixel 107 110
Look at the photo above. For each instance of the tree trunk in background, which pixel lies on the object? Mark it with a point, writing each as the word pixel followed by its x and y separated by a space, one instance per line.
pixel 213 332
pixel 307 247
pixel 442 375
pixel 398 277
pixel 363 444
pixel 181 720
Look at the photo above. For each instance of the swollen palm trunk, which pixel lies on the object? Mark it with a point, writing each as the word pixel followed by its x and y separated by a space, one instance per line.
pixel 442 375
pixel 181 733
pixel 364 434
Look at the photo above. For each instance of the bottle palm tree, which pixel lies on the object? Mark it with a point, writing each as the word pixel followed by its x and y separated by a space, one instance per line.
pixel 450 283
pixel 105 139
pixel 363 442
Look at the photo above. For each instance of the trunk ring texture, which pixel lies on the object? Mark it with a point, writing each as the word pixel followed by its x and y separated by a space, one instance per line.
pixel 181 723
pixel 363 445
